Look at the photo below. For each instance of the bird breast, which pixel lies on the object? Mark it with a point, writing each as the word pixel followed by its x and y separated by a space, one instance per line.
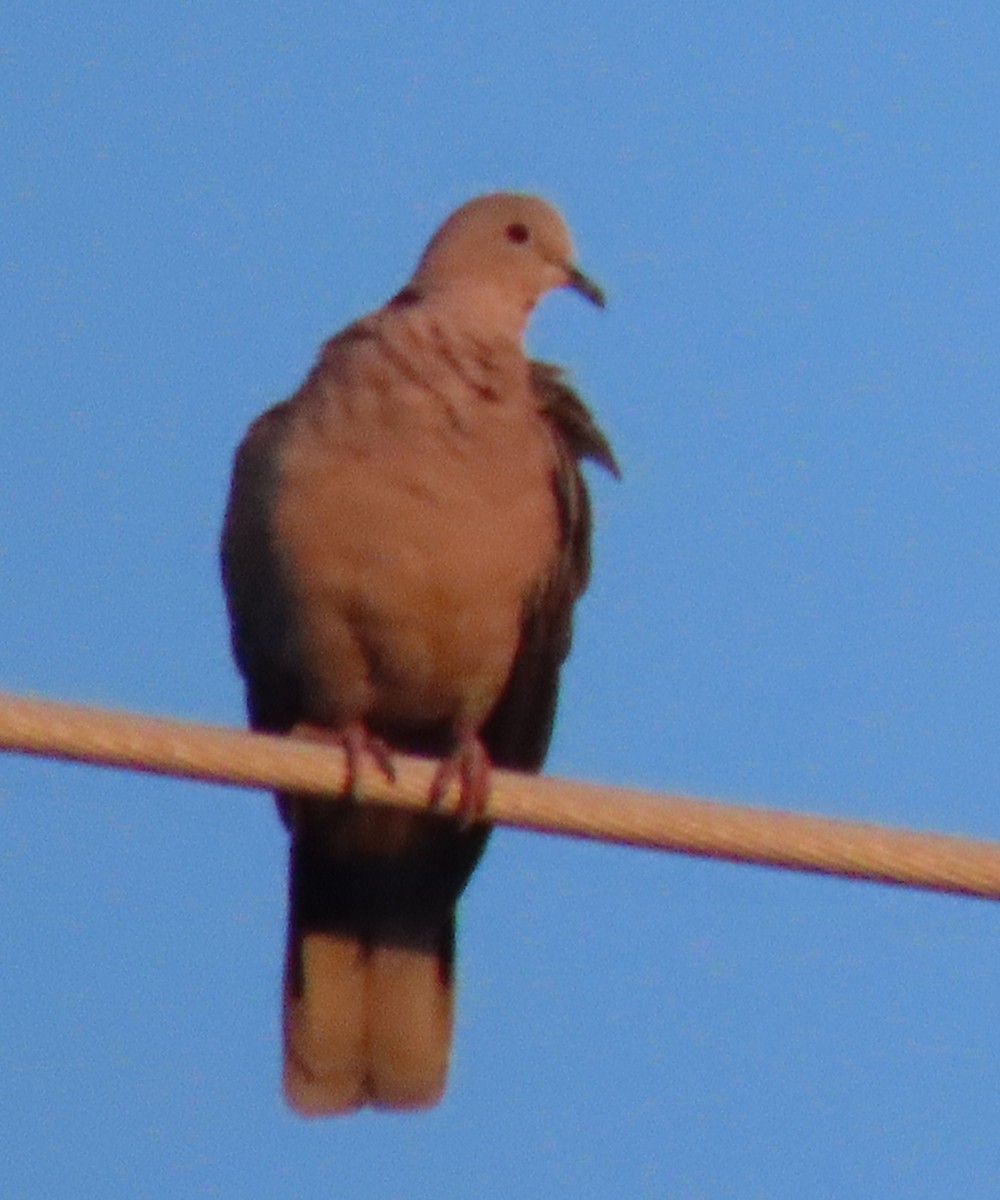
pixel 416 516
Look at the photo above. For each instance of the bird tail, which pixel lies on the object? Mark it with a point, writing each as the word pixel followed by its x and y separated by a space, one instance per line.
pixel 368 1007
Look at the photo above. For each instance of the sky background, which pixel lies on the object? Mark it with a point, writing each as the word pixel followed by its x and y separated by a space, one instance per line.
pixel 796 600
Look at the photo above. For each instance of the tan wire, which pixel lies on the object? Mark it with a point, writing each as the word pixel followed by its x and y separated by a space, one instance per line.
pixel 708 828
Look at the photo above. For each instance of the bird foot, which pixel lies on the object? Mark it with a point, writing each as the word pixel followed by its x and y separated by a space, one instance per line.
pixel 469 765
pixel 356 741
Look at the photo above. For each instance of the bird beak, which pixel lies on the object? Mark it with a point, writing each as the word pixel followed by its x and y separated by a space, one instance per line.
pixel 579 282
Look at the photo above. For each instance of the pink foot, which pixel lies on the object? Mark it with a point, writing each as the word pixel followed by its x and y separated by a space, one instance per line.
pixel 355 740
pixel 469 764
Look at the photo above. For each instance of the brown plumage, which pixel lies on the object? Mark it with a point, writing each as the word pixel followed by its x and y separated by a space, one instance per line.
pixel 404 542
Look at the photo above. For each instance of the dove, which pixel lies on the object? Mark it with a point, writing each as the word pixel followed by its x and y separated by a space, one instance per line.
pixel 404 542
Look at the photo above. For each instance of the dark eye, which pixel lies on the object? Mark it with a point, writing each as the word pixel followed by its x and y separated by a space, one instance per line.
pixel 517 233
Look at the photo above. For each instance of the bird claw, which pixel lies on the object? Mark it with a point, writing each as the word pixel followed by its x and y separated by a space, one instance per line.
pixel 469 766
pixel 355 741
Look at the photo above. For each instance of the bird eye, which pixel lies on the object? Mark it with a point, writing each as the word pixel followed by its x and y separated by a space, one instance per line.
pixel 517 233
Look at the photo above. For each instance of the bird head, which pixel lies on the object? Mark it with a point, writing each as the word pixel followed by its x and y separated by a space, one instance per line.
pixel 512 246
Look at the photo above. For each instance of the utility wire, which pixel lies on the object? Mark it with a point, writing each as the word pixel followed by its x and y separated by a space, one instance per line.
pixel 683 824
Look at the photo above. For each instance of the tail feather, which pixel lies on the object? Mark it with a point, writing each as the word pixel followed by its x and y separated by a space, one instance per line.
pixel 369 988
pixel 410 1010
pixel 366 1024
pixel 324 1024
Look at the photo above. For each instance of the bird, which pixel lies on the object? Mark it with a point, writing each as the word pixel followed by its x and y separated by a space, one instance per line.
pixel 404 542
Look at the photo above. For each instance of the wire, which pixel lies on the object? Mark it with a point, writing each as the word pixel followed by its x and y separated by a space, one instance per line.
pixel 683 824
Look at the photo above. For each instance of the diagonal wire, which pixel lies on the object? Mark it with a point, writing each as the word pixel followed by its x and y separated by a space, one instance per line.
pixel 683 824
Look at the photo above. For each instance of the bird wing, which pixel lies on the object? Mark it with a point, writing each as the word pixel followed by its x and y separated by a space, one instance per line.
pixel 261 619
pixel 519 728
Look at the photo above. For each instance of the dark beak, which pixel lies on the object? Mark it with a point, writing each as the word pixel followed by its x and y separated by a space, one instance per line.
pixel 579 282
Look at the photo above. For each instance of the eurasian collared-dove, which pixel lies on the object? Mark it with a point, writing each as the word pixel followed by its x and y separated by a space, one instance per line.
pixel 404 542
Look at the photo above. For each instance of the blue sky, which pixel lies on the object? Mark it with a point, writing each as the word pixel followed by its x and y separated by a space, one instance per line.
pixel 796 599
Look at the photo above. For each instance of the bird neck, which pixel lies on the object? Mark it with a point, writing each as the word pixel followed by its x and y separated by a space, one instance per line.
pixel 483 309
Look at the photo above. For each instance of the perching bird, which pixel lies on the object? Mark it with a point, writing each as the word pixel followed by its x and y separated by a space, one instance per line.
pixel 403 545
